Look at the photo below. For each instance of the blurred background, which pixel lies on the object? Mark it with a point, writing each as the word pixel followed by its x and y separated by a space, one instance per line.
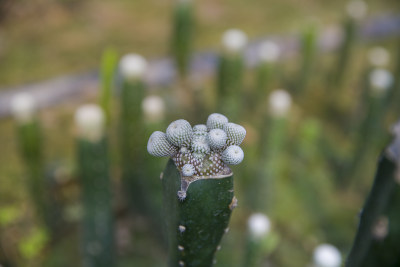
pixel 311 147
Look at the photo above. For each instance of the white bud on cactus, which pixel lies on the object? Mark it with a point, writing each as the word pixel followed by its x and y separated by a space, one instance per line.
pixel 188 170
pixel 280 102
pixel 180 133
pixel 234 40
pixel 217 139
pixel 357 9
pixel 380 80
pixel 232 155
pixel 259 225
pixel 23 106
pixel 269 51
pixel 90 122
pixel 378 57
pixel 133 66
pixel 153 108
pixel 235 133
pixel 216 121
pixel 159 146
pixel 326 255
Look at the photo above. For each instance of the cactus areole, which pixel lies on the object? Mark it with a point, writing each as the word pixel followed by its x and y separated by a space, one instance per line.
pixel 198 185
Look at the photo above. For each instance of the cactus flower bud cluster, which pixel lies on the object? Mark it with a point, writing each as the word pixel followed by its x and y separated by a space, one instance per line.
pixel 201 150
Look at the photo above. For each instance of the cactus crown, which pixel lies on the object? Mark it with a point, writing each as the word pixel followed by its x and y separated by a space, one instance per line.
pixel 204 150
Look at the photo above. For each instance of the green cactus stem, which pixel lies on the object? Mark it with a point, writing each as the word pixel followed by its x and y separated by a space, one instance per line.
pixel 182 35
pixel 93 169
pixel 197 185
pixel 308 51
pixel 378 237
pixel 108 65
pixel 198 218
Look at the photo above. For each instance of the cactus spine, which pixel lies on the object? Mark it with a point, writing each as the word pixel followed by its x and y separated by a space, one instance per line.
pixel 93 165
pixel 377 240
pixel 197 185
pixel 182 36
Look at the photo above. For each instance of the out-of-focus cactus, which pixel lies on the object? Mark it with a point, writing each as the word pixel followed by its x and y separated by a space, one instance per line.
pixel 30 143
pixel 274 132
pixel 371 135
pixel 309 38
pixel 231 72
pixel 260 241
pixel 182 35
pixel 268 54
pixel 93 167
pixel 197 185
pixel 326 255
pixel 378 237
pixel 107 70
pixel 131 127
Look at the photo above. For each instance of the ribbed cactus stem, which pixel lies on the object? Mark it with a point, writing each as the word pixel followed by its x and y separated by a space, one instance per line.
pixel 231 72
pixel 378 237
pixel 93 166
pixel 182 35
pixel 30 142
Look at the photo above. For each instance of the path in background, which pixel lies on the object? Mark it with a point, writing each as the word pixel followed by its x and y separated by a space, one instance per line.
pixel 162 72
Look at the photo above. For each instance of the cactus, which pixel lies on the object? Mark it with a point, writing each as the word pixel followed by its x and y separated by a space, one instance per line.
pixel 308 52
pixel 108 65
pixel 93 166
pixel 377 240
pixel 231 72
pixel 326 255
pixel 30 144
pixel 260 241
pixel 182 36
pixel 197 185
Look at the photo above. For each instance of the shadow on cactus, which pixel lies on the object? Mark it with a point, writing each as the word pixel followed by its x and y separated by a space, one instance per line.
pixel 198 185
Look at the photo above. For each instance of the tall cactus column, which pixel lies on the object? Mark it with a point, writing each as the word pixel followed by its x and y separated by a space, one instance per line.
pixel 197 185
pixel 377 240
pixel 31 149
pixel 231 72
pixel 131 127
pixel 97 221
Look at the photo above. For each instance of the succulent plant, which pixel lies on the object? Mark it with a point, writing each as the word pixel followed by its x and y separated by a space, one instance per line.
pixel 208 148
pixel 197 216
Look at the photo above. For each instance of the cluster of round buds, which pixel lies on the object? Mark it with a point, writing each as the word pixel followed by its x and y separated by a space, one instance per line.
pixel 201 150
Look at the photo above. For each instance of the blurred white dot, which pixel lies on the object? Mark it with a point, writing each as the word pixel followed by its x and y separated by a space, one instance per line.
pixel 23 107
pixel 357 9
pixel 326 255
pixel 280 102
pixel 234 40
pixel 133 66
pixel 259 225
pixel 269 51
pixel 89 120
pixel 378 57
pixel 381 80
pixel 153 108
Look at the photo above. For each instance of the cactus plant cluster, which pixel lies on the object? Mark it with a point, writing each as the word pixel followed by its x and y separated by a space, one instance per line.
pixel 202 150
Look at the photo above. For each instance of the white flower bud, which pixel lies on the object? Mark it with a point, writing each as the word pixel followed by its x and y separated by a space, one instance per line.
pixel 133 66
pixel 217 139
pixel 280 102
pixel 269 51
pixel 188 170
pixel 380 80
pixel 234 40
pixel 23 107
pixel 378 57
pixel 259 225
pixel 326 255
pixel 153 108
pixel 89 120
pixel 233 155
pixel 357 9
